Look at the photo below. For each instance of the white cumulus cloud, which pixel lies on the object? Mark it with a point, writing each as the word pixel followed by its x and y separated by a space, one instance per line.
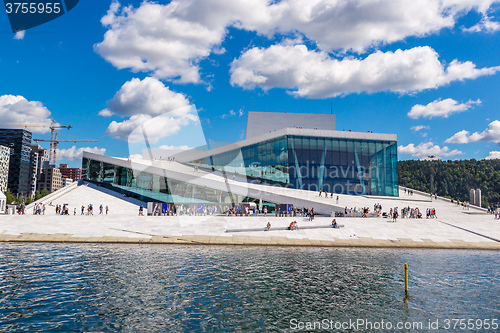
pixel 143 100
pixel 18 110
pixel 315 74
pixel 148 96
pixel 170 40
pixel 105 113
pixel 419 128
pixel 440 108
pixel 491 134
pixel 74 153
pixel 426 149
pixel 493 155
pixel 233 113
pixel 358 24
pixel 486 24
pixel 155 127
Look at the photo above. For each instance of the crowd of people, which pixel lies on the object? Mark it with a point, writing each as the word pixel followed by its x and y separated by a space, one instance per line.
pixel 236 210
pixel 39 209
pixel 431 213
pixel 193 210
pixel 239 210
pixel 464 204
pixel 393 213
pixel 63 209
pixel 326 195
pixel 408 191
pixel 494 211
pixel 363 212
pixel 294 226
pixel 20 209
pixel 308 212
pixel 411 213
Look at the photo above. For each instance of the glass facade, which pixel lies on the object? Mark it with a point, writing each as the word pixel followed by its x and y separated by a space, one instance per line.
pixel 153 188
pixel 338 165
pixel 264 162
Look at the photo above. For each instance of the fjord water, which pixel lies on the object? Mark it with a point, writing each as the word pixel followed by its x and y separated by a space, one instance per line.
pixel 143 288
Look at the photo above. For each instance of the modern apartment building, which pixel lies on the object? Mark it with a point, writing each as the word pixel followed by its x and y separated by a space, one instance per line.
pixel 74 173
pixel 4 168
pixel 19 142
pixel 49 178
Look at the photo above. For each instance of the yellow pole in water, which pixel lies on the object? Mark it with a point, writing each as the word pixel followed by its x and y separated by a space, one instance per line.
pixel 406 278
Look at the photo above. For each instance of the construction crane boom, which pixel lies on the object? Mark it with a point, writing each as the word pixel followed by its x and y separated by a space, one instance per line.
pixel 55 142
pixel 35 125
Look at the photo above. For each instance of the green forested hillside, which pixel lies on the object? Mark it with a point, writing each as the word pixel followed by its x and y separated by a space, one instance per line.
pixel 453 179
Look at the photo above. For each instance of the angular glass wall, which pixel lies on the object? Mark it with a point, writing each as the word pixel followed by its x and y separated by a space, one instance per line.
pixel 263 162
pixel 347 166
pixel 344 166
pixel 148 187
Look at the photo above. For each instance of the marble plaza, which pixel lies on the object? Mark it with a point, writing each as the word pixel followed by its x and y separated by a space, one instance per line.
pixel 454 227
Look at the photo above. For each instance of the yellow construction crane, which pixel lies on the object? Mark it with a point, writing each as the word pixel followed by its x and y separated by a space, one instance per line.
pixel 55 142
pixel 52 151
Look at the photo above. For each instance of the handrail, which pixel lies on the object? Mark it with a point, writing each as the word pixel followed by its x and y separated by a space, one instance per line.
pixel 54 195
pixel 441 198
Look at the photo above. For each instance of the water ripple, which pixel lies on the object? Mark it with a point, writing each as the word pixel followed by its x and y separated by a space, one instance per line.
pixel 144 288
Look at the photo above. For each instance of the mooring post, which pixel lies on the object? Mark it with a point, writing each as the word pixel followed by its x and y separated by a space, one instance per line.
pixel 406 279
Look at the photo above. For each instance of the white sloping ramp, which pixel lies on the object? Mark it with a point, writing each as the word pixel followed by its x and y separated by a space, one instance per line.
pixel 85 193
pixel 54 195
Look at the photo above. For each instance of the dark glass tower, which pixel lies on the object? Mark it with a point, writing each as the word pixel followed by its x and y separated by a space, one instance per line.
pixel 19 142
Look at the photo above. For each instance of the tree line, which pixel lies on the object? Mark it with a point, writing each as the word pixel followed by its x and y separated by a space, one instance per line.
pixel 13 200
pixel 453 179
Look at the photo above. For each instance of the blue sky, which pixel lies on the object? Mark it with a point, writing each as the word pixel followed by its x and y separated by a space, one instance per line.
pixel 426 70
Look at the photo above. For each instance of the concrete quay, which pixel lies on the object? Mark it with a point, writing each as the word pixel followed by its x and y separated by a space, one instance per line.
pixel 357 232
pixel 455 228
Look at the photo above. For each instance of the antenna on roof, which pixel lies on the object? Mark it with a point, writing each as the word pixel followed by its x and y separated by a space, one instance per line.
pixel 331 107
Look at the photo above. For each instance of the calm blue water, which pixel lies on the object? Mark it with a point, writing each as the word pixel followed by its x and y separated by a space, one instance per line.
pixel 143 288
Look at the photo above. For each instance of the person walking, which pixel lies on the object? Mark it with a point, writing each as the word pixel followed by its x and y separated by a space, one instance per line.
pixel 107 210
pixel 141 209
pixel 395 214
